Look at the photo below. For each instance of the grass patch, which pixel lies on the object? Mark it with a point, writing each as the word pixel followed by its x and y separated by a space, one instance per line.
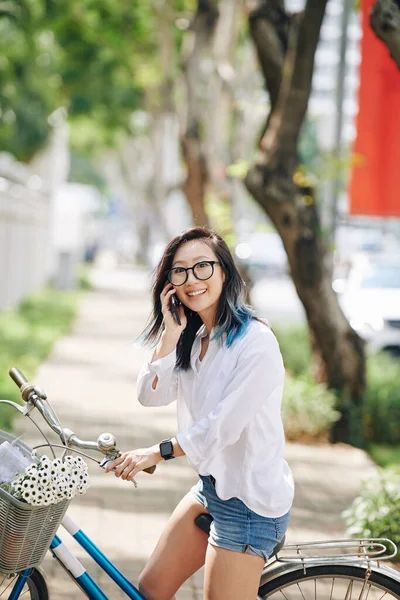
pixel 27 335
pixel 385 456
pixel 84 277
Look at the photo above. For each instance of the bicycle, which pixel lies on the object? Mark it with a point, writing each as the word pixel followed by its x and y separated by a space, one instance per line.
pixel 347 569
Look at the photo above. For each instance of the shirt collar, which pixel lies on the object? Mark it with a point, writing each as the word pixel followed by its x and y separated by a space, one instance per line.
pixel 202 332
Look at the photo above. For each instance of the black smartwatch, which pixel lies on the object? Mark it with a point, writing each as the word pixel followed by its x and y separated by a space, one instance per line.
pixel 167 450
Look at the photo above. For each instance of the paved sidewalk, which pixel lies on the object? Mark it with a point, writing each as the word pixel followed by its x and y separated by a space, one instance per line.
pixel 90 380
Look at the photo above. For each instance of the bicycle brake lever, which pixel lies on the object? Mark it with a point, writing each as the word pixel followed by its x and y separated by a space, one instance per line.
pixel 105 462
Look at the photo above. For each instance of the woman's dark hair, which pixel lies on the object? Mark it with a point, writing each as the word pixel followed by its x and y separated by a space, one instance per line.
pixel 232 316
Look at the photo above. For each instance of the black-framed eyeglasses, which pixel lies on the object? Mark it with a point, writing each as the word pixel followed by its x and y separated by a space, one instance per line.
pixel 202 270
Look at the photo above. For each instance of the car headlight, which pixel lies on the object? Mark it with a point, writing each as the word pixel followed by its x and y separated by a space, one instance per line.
pixel 374 323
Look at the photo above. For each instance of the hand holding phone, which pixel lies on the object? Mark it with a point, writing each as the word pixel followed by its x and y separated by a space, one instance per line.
pixel 174 309
pixel 174 315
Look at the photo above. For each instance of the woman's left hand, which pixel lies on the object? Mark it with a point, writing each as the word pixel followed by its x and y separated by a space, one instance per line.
pixel 129 463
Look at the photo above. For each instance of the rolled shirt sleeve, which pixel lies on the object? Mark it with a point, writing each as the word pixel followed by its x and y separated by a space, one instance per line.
pixel 258 374
pixel 167 384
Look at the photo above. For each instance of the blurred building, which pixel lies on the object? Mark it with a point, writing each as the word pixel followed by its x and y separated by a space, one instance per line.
pixel 323 102
pixel 325 107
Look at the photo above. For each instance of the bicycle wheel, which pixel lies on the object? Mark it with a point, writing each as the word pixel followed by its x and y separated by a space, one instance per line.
pixel 34 589
pixel 330 582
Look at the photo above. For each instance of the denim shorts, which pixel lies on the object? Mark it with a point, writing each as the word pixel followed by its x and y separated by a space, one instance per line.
pixel 236 527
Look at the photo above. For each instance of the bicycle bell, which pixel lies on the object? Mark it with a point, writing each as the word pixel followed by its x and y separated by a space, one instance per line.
pixel 107 442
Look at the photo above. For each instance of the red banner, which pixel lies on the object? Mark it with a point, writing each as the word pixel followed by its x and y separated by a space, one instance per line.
pixel 375 180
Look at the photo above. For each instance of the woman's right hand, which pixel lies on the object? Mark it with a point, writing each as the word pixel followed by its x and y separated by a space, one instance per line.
pixel 171 328
pixel 172 331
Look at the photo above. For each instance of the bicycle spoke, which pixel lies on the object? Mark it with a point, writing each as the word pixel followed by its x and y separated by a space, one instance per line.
pixel 333 584
pixel 349 590
pixel 364 591
pixel 26 590
pixel 301 591
pixel 11 581
pixel 332 587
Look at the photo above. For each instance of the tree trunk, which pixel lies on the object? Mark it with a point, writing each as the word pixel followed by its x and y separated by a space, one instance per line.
pixel 286 53
pixel 193 152
pixel 160 103
pixel 385 22
pixel 195 184
pixel 222 90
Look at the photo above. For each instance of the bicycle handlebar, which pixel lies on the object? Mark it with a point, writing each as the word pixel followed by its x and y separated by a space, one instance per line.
pixel 106 442
pixel 18 377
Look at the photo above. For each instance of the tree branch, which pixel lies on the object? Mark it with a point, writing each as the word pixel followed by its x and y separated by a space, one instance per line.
pixel 202 28
pixel 385 22
pixel 201 32
pixel 269 26
pixel 288 116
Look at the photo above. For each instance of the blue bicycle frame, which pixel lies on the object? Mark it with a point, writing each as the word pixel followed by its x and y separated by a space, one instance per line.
pixel 76 570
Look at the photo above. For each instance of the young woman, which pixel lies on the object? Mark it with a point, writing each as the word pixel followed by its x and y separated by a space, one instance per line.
pixel 224 368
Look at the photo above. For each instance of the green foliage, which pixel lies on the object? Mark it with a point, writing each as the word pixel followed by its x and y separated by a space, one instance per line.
pixel 94 57
pixel 295 347
pixel 83 170
pixel 382 400
pixel 381 412
pixel 104 47
pixel 383 455
pixel 308 409
pixel 84 278
pixel 27 335
pixel 238 169
pixel 219 210
pixel 7 487
pixel 376 511
pixel 30 88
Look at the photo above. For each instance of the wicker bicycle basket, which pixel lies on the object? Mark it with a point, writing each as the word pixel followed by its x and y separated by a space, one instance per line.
pixel 25 531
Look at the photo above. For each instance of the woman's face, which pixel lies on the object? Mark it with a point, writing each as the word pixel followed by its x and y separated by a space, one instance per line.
pixel 199 296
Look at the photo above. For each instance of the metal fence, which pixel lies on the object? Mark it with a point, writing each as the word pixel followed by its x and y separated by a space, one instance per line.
pixel 24 238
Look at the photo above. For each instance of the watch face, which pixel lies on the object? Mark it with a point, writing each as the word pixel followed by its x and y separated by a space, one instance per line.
pixel 167 449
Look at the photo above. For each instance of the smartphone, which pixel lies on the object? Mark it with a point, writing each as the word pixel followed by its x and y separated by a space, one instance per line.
pixel 174 309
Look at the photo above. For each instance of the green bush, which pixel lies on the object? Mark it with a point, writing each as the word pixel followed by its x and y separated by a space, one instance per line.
pixel 383 455
pixel 382 396
pixel 376 511
pixel 295 347
pixel 308 409
pixel 27 335
pixel 382 400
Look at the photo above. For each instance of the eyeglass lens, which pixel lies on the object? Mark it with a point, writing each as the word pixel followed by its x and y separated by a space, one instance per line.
pixel 203 270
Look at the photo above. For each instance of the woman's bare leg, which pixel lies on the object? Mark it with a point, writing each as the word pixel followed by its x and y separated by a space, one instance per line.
pixel 179 553
pixel 231 575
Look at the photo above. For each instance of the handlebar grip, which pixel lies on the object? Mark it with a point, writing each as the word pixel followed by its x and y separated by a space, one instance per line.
pixel 150 470
pixel 17 377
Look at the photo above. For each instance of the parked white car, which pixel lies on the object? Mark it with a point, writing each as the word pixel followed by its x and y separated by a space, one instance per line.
pixel 370 299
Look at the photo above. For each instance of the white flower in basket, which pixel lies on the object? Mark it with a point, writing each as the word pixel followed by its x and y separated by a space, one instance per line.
pixel 50 481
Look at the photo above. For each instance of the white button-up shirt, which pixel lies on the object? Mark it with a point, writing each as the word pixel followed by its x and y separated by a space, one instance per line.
pixel 229 422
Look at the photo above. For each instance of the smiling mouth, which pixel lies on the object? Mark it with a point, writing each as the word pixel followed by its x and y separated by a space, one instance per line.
pixel 199 293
